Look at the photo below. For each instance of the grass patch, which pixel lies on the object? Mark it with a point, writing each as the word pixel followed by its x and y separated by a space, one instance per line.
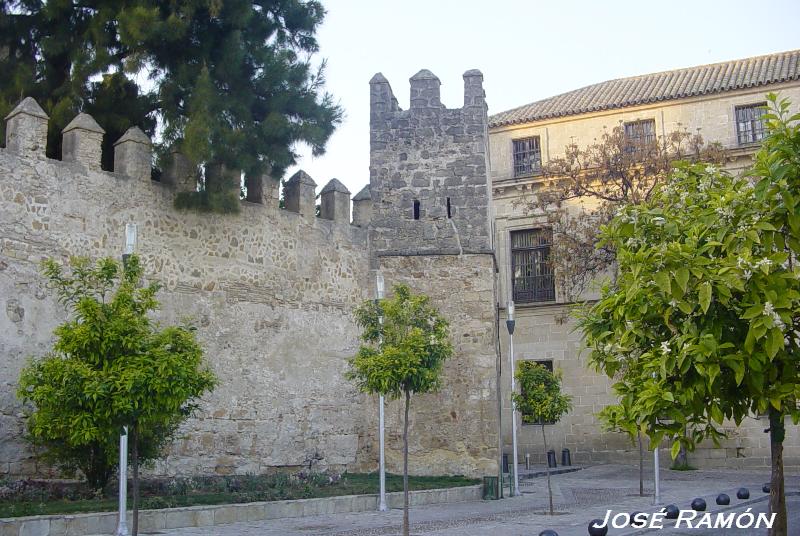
pixel 27 498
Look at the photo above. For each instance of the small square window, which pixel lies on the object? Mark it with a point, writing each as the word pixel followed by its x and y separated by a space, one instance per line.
pixel 639 136
pixel 527 157
pixel 750 123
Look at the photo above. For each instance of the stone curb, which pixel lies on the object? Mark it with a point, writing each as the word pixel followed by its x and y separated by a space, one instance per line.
pixel 543 472
pixel 200 516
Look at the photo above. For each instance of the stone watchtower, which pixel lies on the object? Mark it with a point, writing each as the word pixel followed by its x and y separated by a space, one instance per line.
pixel 429 169
pixel 430 228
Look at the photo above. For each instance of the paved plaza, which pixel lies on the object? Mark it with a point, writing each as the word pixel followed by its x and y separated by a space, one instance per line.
pixel 579 497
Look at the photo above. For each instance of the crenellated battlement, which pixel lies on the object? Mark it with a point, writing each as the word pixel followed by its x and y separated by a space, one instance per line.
pixel 26 136
pixel 429 179
pixel 425 95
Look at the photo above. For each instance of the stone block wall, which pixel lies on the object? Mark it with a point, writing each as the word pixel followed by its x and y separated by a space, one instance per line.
pixel 270 291
pixel 428 169
pixel 454 430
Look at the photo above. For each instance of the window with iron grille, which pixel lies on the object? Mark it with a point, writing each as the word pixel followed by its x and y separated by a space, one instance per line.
pixel 531 272
pixel 527 418
pixel 639 135
pixel 750 123
pixel 527 157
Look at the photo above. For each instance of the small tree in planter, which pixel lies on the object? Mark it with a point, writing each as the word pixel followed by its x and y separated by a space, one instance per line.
pixel 111 366
pixel 407 343
pixel 540 398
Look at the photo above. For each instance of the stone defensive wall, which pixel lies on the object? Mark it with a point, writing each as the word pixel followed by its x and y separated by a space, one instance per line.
pixel 271 292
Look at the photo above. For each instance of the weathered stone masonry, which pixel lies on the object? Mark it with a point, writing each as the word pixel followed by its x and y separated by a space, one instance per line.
pixel 272 292
pixel 431 229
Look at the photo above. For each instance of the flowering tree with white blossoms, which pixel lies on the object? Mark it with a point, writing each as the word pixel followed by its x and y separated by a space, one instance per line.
pixel 702 323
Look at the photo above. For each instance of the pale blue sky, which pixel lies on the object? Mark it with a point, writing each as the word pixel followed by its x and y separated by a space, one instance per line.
pixel 527 50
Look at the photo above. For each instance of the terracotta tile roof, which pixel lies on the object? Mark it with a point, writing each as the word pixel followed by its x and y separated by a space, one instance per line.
pixel 656 87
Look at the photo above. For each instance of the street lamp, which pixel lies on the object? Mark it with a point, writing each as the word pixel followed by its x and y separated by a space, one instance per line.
pixel 510 324
pixel 122 525
pixel 382 463
pixel 657 494
pixel 656 471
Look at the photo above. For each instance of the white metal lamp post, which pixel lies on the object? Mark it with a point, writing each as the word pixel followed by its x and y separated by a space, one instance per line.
pixel 122 525
pixel 382 463
pixel 510 324
pixel 656 470
pixel 657 494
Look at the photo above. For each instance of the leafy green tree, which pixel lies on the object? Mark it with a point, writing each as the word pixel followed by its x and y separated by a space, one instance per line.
pixel 407 343
pixel 232 82
pixel 778 166
pixel 111 366
pixel 701 323
pixel 540 399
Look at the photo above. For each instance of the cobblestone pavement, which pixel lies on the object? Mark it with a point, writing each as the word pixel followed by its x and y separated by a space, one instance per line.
pixel 579 497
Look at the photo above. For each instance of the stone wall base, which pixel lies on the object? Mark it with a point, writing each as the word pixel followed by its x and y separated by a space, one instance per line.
pixel 201 516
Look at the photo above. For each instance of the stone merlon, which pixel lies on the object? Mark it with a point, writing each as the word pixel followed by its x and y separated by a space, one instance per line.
pixel 381 98
pixel 299 195
pixel 335 185
pixel 132 154
pixel 82 142
pixel 335 202
pixel 26 129
pixel 425 90
pixel 362 207
pixel 83 121
pixel 474 94
pixel 28 106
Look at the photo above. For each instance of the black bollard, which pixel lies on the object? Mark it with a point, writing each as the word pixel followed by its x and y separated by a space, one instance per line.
pixel 595 528
pixel 548 532
pixel 723 499
pixel 566 459
pixel 672 511
pixel 743 493
pixel 551 458
pixel 765 488
pixel 699 505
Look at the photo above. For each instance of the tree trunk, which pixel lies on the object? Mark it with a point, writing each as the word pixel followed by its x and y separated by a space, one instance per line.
pixel 547 468
pixel 405 467
pixel 777 495
pixel 641 464
pixel 135 463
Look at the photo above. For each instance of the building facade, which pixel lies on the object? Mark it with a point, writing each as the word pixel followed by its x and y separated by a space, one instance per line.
pixel 721 102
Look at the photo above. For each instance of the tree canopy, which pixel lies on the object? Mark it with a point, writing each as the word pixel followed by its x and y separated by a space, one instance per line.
pixel 702 323
pixel 407 343
pixel 111 366
pixel 699 325
pixel 540 398
pixel 232 83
